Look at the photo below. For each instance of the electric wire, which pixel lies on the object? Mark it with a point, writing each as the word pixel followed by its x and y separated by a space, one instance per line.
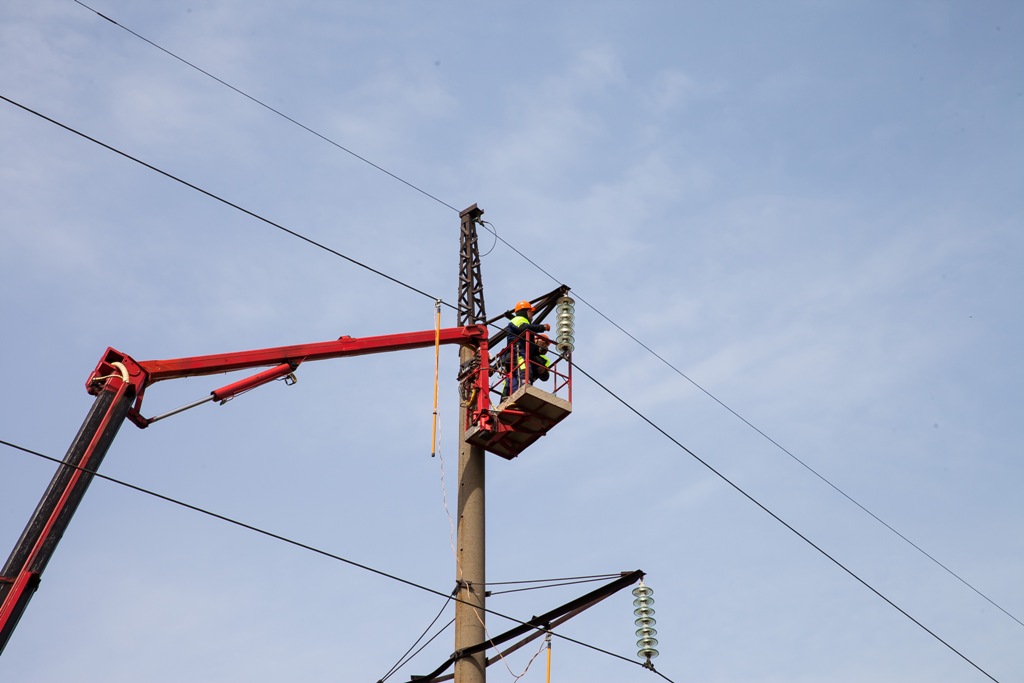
pixel 498 238
pixel 515 678
pixel 314 243
pixel 266 106
pixel 402 661
pixel 763 434
pixel 546 585
pixel 534 588
pixel 792 455
pixel 501 655
pixel 491 228
pixel 304 546
pixel 425 294
pixel 224 518
pixel 595 577
pixel 494 231
pixel 447 511
pixel 423 647
pixel 778 519
pixel 222 200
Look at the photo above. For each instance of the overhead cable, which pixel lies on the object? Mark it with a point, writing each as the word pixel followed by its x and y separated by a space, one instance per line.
pixel 590 577
pixel 425 294
pixel 762 433
pixel 222 200
pixel 307 547
pixel 793 456
pixel 498 238
pixel 542 586
pixel 536 265
pixel 406 657
pixel 778 519
pixel 267 106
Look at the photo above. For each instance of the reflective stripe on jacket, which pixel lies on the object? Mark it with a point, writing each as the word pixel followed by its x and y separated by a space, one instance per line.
pixel 543 359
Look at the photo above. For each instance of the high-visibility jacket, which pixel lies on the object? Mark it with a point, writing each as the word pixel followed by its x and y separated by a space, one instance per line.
pixel 519 326
pixel 539 368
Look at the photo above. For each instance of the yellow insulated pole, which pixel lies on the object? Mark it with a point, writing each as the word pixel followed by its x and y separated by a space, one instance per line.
pixel 437 361
pixel 548 639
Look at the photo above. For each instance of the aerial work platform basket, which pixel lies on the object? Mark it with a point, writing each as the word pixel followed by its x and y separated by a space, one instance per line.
pixel 519 420
pixel 517 408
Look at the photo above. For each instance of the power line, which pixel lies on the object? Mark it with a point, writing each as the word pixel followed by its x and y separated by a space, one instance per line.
pixel 406 657
pixel 756 429
pixel 224 518
pixel 419 650
pixel 599 384
pixel 222 200
pixel 794 457
pixel 584 301
pixel 588 304
pixel 306 546
pixel 536 265
pixel 397 281
pixel 267 106
pixel 558 583
pixel 763 434
pixel 591 577
pixel 778 519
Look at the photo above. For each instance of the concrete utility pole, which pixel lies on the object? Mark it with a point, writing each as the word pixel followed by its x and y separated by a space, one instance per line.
pixel 470 554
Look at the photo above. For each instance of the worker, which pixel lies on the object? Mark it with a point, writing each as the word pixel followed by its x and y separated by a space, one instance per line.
pixel 539 361
pixel 518 328
pixel 522 322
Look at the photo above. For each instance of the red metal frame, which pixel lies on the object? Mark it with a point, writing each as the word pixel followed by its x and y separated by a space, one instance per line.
pixel 561 379
pixel 116 365
pixel 520 418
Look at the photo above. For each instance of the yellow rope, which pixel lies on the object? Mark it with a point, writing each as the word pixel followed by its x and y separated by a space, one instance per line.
pixel 437 360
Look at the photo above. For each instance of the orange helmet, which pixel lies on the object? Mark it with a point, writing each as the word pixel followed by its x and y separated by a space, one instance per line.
pixel 523 306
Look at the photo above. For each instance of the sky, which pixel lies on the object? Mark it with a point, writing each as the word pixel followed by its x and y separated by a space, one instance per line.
pixel 794 235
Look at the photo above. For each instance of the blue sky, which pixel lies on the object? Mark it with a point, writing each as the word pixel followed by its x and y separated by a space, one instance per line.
pixel 810 210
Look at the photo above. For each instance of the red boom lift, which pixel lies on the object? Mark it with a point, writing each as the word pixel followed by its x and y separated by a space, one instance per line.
pixel 119 382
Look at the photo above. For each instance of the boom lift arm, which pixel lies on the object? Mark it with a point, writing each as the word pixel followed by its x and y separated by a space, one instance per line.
pixel 285 360
pixel 119 382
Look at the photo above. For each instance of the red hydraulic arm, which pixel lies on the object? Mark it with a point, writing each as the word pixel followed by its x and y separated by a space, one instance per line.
pixel 119 382
pixel 285 360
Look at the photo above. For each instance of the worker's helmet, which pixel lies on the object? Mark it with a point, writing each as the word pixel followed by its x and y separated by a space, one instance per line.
pixel 523 306
pixel 542 342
